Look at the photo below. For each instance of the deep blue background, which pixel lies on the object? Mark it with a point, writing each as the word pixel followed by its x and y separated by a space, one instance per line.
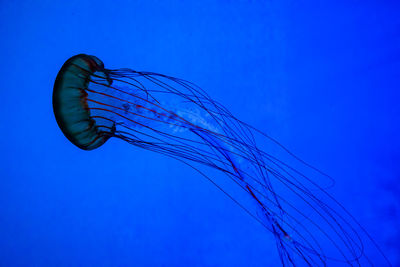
pixel 321 76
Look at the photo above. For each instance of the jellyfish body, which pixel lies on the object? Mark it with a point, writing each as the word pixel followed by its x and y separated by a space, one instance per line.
pixel 177 118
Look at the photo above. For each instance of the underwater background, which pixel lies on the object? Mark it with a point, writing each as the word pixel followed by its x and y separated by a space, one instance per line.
pixel 322 77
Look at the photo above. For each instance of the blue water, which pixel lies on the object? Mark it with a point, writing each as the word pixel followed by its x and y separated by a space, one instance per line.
pixel 321 77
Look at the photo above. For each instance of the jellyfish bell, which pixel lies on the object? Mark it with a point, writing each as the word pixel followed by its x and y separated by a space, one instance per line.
pixel 70 106
pixel 176 118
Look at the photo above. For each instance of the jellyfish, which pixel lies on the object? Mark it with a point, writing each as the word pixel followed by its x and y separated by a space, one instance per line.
pixel 179 119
